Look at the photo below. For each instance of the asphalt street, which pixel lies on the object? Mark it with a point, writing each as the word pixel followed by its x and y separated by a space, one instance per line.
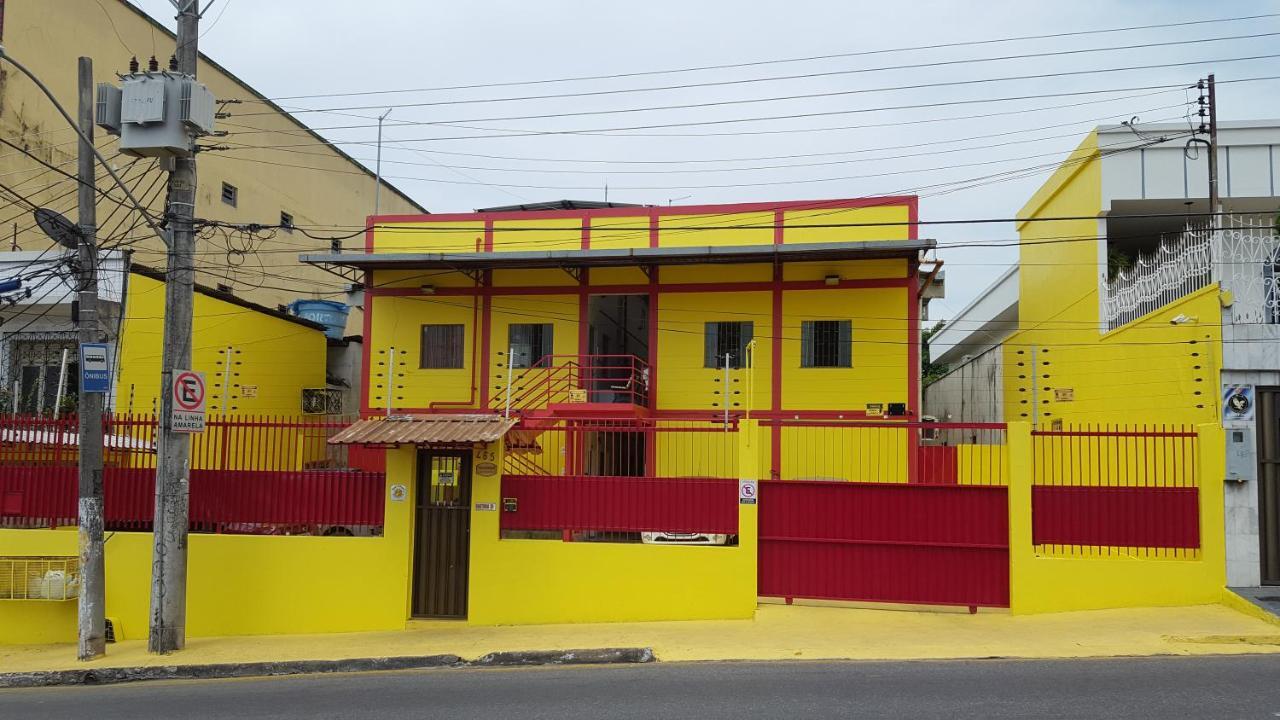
pixel 1222 688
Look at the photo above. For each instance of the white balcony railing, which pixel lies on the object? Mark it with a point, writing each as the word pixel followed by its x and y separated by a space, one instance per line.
pixel 1244 256
pixel 1180 265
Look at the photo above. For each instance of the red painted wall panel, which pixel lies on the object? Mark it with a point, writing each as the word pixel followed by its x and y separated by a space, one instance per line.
pixel 1162 517
pixel 621 504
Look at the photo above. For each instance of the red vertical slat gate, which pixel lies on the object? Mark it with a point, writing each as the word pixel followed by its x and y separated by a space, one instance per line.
pixel 846 518
pixel 884 542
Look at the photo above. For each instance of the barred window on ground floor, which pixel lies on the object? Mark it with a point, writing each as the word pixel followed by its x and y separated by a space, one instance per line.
pixel 442 347
pixel 826 343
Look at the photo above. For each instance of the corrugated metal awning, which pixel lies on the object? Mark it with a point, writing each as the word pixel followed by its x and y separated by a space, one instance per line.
pixel 424 430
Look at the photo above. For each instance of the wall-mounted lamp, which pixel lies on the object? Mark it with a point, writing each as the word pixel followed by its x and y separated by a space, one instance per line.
pixel 831 280
pixel 428 289
pixel 1181 319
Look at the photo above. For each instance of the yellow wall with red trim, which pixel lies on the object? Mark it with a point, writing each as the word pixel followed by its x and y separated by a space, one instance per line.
pixel 236 584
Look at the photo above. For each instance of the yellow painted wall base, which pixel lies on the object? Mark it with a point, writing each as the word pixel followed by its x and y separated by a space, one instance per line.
pixel 1042 584
pixel 545 581
pixel 237 584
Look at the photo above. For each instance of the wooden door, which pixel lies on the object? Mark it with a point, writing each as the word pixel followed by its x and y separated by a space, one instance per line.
pixel 443 538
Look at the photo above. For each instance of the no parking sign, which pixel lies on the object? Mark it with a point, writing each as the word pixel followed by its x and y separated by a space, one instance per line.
pixel 187 412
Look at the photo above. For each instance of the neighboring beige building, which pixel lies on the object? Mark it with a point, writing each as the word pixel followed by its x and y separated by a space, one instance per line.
pixel 242 186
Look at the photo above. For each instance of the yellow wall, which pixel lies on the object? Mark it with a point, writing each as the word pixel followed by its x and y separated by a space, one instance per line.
pixel 397 323
pixel 683 381
pixel 880 339
pixel 278 356
pixel 879 372
pixel 508 310
pixel 1041 582
pixel 1145 372
pixel 237 584
pixel 548 581
pixel 318 188
pixel 695 226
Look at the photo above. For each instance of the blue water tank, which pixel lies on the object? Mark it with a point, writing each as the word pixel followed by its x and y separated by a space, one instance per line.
pixel 333 315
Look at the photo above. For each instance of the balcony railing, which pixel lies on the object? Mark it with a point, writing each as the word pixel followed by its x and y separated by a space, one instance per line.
pixel 1179 266
pixel 556 379
pixel 1243 255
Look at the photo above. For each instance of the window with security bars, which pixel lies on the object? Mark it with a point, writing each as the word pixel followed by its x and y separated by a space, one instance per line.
pixel 442 347
pixel 826 343
pixel 726 339
pixel 37 366
pixel 529 342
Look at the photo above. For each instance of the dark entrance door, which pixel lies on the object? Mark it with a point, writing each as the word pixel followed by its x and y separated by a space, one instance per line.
pixel 1268 418
pixel 444 534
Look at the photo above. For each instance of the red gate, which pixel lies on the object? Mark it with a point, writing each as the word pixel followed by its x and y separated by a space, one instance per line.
pixel 851 519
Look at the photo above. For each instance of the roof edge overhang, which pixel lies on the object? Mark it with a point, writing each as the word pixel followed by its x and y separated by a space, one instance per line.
pixel 696 255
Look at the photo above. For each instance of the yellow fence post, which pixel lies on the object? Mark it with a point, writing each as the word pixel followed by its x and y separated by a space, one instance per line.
pixel 1211 442
pixel 748 514
pixel 1018 459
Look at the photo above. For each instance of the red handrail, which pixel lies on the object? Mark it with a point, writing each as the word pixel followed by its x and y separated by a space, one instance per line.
pixel 606 378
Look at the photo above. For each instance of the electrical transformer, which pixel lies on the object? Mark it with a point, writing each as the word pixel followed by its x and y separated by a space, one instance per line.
pixel 156 114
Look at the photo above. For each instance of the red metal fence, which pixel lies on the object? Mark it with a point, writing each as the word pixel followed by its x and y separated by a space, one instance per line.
pixel 250 475
pixel 1118 488
pixel 595 476
pixel 890 512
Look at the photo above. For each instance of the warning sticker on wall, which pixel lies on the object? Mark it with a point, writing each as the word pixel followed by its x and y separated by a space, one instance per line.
pixel 1237 403
pixel 747 492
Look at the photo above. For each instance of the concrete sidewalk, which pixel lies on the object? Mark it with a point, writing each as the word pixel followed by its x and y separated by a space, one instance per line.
pixel 778 632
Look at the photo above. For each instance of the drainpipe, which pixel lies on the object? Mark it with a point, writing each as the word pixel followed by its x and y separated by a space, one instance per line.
pixel 475 364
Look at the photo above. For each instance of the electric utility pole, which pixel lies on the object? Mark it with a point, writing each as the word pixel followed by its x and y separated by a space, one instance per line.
pixel 169 556
pixel 1215 201
pixel 92 600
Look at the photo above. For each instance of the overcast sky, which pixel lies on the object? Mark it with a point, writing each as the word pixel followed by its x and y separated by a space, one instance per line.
pixel 291 48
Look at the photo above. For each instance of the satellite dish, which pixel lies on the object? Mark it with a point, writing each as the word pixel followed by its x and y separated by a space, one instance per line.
pixel 63 231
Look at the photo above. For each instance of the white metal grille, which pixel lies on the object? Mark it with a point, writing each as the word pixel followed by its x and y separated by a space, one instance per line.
pixel 1249 260
pixel 1180 265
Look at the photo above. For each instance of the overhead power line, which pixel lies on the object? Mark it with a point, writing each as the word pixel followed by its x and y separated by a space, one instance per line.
pixel 806 96
pixel 778 78
pixel 778 61
pixel 791 116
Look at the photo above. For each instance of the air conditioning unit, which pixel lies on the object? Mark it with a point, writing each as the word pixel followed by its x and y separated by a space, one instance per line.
pixel 321 401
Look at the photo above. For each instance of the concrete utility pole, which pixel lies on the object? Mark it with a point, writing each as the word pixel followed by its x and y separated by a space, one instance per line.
pixel 1215 201
pixel 377 173
pixel 169 556
pixel 93 594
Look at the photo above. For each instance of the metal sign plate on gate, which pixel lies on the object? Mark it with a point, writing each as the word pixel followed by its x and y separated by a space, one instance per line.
pixel 747 492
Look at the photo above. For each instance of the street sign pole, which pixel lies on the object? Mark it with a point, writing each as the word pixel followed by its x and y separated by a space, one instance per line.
pixel 92 634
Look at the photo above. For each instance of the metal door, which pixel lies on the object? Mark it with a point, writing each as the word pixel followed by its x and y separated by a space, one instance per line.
pixel 443 537
pixel 1268 418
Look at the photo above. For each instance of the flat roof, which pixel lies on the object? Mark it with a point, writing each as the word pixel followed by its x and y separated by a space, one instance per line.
pixel 697 255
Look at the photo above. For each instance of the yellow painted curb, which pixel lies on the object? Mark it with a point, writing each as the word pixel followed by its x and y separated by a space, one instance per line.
pixel 1239 604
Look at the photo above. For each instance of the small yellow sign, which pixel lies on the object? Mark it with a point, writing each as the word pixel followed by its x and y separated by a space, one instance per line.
pixel 875 409
pixel 486 469
pixel 249 391
pixel 577 395
pixel 1064 394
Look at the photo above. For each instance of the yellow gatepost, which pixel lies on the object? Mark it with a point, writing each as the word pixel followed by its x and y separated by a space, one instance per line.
pixel 1041 584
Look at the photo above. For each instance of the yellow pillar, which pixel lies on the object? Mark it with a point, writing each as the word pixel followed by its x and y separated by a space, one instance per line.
pixel 1212 441
pixel 399 521
pixel 1021 552
pixel 748 515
